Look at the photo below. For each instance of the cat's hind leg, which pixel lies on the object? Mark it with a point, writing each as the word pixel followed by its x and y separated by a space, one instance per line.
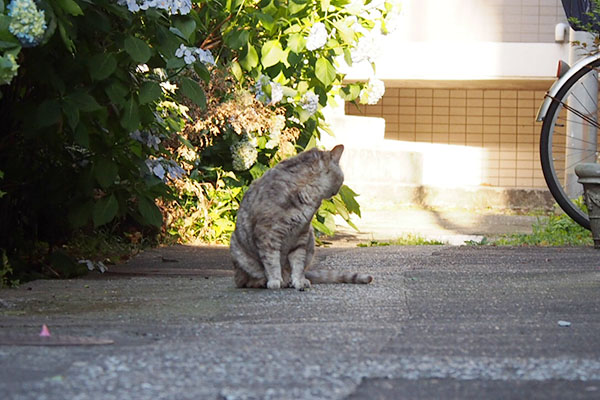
pixel 248 272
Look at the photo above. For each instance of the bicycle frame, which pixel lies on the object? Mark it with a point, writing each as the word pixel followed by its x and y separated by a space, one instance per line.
pixel 550 95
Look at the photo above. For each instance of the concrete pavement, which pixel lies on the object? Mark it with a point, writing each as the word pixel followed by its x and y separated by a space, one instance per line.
pixel 438 322
pixel 451 226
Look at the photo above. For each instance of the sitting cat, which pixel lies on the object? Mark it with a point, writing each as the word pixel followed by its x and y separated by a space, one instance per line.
pixel 273 242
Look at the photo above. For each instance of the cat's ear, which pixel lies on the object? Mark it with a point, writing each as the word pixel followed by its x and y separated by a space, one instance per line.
pixel 336 153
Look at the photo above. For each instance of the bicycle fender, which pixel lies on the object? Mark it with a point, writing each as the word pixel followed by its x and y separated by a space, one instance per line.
pixel 552 92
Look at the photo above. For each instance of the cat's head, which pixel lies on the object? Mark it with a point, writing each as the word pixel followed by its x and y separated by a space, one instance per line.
pixel 331 173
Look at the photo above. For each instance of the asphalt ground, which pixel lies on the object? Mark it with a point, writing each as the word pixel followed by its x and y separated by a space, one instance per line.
pixel 438 322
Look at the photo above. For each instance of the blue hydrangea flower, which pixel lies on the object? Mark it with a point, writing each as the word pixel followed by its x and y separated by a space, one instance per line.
pixel 310 102
pixel 27 22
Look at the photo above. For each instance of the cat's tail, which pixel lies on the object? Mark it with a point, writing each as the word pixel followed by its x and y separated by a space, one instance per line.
pixel 330 276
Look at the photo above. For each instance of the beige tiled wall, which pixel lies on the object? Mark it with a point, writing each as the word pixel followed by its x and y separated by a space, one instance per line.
pixel 500 121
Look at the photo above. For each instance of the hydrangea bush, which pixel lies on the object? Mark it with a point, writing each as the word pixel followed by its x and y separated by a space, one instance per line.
pixel 107 106
pixel 90 92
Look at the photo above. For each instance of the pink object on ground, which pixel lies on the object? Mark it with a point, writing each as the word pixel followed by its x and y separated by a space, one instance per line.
pixel 45 331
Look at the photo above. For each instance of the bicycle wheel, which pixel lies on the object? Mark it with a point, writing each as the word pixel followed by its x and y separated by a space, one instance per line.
pixel 569 137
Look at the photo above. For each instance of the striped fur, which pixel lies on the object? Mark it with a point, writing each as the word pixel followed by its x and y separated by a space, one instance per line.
pixel 273 243
pixel 329 276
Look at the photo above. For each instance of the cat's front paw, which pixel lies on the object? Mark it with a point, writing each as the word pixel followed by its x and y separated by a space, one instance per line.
pixel 274 284
pixel 301 284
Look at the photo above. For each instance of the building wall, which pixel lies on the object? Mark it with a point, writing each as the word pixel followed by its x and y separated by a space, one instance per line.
pixel 471 73
pixel 482 20
pixel 499 121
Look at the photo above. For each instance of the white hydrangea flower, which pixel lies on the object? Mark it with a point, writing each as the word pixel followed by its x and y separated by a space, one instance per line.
pixel 192 54
pixel 273 141
pixel 373 92
pixel 168 87
pixel 9 70
pixel 180 52
pixel 355 6
pixel 243 154
pixel 188 57
pixel 174 170
pixel 91 265
pixel 182 7
pixel 148 139
pixel 317 36
pixel 163 4
pixel 366 49
pixel 205 56
pixel 276 93
pixel 163 169
pixel 132 6
pixel 276 90
pixel 276 125
pixel 310 102
pixel 156 168
pixel 142 68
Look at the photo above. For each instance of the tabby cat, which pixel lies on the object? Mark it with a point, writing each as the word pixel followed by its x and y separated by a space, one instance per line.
pixel 273 242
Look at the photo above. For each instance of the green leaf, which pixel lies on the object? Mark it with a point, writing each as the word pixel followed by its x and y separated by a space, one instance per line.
pixel 271 53
pixel 349 198
pixel 71 111
pixel 105 171
pixel 80 215
pixel 130 118
pixel 296 28
pixel 350 92
pixel 48 113
pixel 250 61
pixel 105 210
pixel 138 50
pixel 348 56
pixel 237 39
pixel 83 101
pixel 185 25
pixel 345 31
pixel 70 6
pixel 65 265
pixel 266 20
pixel 193 91
pixel 177 32
pixel 324 71
pixel 295 6
pixel 296 43
pixel 325 227
pixel 66 37
pixel 116 92
pixel 175 63
pixel 101 66
pixel 149 92
pixel 81 136
pixel 202 72
pixel 150 212
pixel 236 70
pixel 258 170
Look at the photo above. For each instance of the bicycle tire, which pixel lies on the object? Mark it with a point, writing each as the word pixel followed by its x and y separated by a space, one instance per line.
pixel 549 168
